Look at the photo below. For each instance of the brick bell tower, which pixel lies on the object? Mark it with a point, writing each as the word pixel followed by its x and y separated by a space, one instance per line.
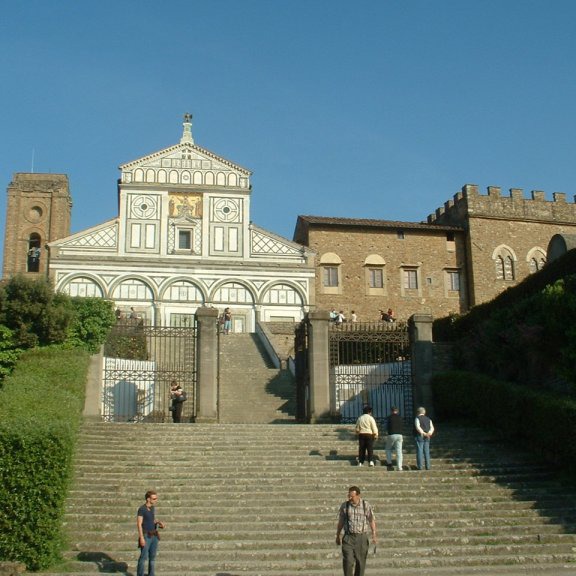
pixel 38 212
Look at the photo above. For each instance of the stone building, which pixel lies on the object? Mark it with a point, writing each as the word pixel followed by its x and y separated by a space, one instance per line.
pixel 182 239
pixel 38 212
pixel 370 265
pixel 466 253
pixel 506 236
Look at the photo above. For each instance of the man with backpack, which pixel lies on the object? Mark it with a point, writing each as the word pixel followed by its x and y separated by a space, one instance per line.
pixel 354 518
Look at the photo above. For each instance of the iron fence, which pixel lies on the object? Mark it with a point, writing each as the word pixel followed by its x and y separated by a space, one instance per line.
pixel 140 362
pixel 370 364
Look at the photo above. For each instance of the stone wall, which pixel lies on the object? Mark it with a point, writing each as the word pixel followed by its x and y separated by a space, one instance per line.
pixel 494 221
pixel 427 251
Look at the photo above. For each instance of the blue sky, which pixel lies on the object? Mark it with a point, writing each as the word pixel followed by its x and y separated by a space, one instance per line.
pixel 368 109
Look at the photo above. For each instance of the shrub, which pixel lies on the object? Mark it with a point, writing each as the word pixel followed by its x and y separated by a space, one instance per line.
pixel 91 323
pixel 36 315
pixel 40 411
pixel 531 418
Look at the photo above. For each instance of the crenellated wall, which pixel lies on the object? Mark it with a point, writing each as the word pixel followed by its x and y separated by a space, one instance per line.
pixel 513 206
pixel 511 226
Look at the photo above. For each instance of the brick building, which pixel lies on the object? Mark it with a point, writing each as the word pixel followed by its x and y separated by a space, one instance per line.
pixel 38 212
pixel 469 251
pixel 506 236
pixel 369 265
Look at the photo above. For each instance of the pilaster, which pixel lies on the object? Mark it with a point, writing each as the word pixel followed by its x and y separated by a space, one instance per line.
pixel 319 350
pixel 207 367
pixel 420 326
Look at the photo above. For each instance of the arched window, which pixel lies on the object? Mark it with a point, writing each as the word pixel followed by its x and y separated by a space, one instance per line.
pixel 504 264
pixel 133 289
pixel 233 292
pixel 83 287
pixel 34 252
pixel 535 264
pixel 282 294
pixel 536 260
pixel 183 291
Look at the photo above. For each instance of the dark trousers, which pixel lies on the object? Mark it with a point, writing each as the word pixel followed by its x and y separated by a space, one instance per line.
pixel 177 411
pixel 365 445
pixel 354 554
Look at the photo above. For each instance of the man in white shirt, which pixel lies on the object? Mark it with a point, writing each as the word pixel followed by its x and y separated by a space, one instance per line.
pixel 367 431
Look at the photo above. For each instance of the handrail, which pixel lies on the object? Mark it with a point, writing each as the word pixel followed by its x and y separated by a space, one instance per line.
pixel 266 342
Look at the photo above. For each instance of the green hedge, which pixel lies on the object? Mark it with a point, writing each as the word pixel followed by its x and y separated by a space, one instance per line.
pixel 536 420
pixel 41 405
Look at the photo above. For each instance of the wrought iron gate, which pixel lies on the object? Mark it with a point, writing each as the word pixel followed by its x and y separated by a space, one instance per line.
pixel 140 362
pixel 370 364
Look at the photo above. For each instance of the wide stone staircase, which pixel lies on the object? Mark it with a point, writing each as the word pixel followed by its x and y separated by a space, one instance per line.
pixel 251 389
pixel 263 499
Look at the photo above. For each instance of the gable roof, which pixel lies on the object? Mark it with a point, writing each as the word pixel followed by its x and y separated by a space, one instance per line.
pixel 186 164
pixel 154 158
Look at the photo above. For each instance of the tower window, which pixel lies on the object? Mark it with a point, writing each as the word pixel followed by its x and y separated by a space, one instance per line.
pixel 34 251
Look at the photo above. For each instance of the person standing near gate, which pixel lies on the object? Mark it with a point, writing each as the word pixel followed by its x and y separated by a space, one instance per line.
pixel 148 536
pixel 177 398
pixel 394 427
pixel 423 430
pixel 227 321
pixel 367 431
pixel 354 518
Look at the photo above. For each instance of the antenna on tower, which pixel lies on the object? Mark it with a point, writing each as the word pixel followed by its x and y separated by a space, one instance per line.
pixel 32 164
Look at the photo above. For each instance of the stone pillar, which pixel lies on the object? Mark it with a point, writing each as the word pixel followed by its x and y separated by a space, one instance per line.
pixel 92 402
pixel 207 367
pixel 319 366
pixel 420 326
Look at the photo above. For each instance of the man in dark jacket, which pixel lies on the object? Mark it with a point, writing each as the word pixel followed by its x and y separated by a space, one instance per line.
pixel 423 430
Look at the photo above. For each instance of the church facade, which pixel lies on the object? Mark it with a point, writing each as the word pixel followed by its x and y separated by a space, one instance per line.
pixel 183 239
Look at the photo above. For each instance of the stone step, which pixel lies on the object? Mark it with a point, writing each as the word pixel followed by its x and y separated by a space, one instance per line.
pixel 516 569
pixel 329 565
pixel 257 392
pixel 263 499
pixel 173 539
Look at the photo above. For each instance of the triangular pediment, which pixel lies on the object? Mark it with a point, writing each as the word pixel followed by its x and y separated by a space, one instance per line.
pixel 265 243
pixel 101 237
pixel 185 164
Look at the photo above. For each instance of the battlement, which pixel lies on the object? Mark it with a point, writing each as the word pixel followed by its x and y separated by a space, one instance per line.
pixel 469 202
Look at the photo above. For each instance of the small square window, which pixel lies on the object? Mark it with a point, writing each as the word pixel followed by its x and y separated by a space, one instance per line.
pixel 330 276
pixel 411 279
pixel 454 281
pixel 376 278
pixel 184 240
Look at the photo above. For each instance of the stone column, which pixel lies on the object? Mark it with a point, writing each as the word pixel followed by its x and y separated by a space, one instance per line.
pixel 319 366
pixel 420 326
pixel 94 383
pixel 207 365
